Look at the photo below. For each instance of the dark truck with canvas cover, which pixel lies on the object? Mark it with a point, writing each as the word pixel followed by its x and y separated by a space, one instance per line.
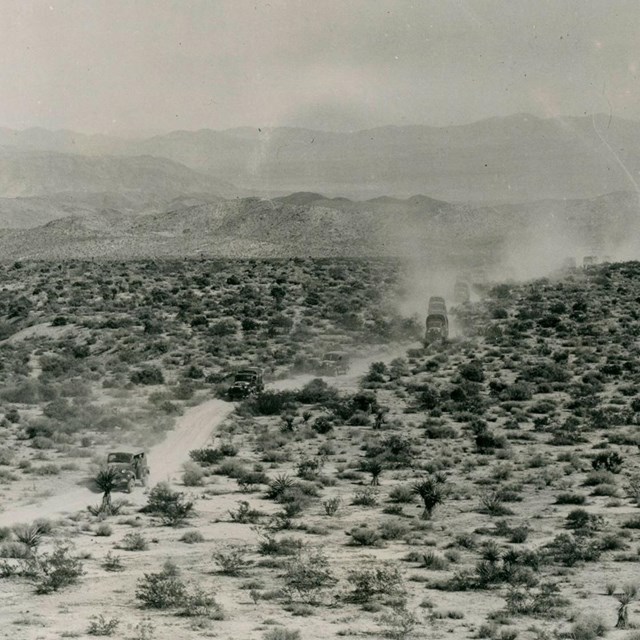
pixel 130 466
pixel 437 320
pixel 245 383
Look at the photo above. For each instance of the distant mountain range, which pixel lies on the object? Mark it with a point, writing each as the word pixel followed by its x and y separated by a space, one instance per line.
pixel 504 188
pixel 518 158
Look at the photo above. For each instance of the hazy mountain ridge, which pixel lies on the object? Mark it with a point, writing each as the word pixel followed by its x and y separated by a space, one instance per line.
pixel 509 159
pixel 25 173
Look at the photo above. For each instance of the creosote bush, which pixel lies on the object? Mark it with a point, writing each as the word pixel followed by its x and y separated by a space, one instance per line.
pixel 172 507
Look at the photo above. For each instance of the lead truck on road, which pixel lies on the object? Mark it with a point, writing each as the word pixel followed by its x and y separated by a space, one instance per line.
pixel 437 320
pixel 130 466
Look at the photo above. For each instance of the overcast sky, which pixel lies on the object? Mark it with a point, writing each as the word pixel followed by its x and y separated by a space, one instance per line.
pixel 157 65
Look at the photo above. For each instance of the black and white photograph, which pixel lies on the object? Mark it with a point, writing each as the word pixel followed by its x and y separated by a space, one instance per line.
pixel 320 319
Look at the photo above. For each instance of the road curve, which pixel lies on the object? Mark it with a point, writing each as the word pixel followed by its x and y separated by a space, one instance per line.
pixel 192 431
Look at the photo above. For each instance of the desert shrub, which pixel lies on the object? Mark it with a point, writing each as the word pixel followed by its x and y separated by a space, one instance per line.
pixel 307 575
pixel 433 561
pixel 493 503
pixel 584 522
pixel 571 498
pixel 517 392
pixel 486 441
pixel 206 456
pixel 472 371
pixel 309 468
pixel 103 530
pixel 365 497
pixel 435 431
pixel 244 514
pixel 595 478
pixel 402 494
pixel 541 599
pixel 332 505
pixel 570 550
pixel 271 403
pixel 162 590
pixel 393 530
pixel 231 560
pixel 193 475
pixel 171 506
pixel 134 542
pixel 112 563
pixel 192 537
pixel 608 460
pixel 364 536
pixel 322 425
pixel 394 450
pixel 588 627
pixel 382 579
pixel 56 570
pixel 270 545
pixel 100 626
pixel 148 376
pixel 317 391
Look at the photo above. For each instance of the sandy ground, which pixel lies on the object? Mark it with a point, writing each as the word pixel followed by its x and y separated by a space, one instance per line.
pixel 192 431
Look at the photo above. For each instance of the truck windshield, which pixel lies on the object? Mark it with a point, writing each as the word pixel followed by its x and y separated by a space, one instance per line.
pixel 119 457
pixel 244 377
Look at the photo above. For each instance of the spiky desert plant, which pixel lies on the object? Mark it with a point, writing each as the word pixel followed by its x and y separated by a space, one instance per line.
pixel 628 595
pixel 374 467
pixel 432 491
pixel 106 482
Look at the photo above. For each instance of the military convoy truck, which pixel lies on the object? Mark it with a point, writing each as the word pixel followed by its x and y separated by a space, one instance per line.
pixel 437 320
pixel 334 363
pixel 246 382
pixel 461 292
pixel 129 466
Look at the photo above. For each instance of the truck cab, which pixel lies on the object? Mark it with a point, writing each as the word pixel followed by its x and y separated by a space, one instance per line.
pixel 246 382
pixel 437 321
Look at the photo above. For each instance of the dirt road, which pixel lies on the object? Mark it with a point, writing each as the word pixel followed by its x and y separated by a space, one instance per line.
pixel 192 431
pixel 358 367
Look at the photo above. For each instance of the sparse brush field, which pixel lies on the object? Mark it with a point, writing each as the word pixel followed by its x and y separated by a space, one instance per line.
pixel 484 488
pixel 97 353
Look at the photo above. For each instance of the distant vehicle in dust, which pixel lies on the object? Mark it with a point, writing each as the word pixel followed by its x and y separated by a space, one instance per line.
pixel 437 320
pixel 569 264
pixel 461 292
pixel 246 382
pixel 334 363
pixel 589 261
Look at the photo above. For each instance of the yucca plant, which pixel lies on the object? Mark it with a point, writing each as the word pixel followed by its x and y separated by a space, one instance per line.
pixel 628 595
pixel 432 491
pixel 374 467
pixel 279 485
pixel 106 482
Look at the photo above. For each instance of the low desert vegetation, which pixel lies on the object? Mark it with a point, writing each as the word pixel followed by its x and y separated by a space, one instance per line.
pixel 484 487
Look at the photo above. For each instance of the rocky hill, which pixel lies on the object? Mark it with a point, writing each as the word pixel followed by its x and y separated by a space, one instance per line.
pixel 308 224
